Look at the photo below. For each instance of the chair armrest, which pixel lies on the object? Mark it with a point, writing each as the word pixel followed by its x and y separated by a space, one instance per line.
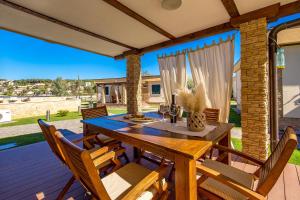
pixel 103 158
pixel 228 181
pixel 96 152
pixel 83 139
pixel 145 183
pixel 238 153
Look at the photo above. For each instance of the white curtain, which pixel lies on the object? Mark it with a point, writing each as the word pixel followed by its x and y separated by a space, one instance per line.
pixel 173 74
pixel 212 69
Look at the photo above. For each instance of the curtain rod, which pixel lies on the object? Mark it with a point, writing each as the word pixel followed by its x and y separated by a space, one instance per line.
pixel 184 51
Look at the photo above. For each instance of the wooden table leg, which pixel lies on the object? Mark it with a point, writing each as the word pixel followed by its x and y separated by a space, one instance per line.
pixel 225 157
pixel 185 178
pixel 136 152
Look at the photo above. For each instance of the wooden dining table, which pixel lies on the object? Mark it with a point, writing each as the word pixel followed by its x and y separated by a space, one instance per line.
pixel 183 149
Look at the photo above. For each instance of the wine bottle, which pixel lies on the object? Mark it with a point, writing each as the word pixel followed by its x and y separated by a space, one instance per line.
pixel 173 110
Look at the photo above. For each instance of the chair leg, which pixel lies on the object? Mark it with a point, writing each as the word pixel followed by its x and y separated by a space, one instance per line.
pixel 66 188
pixel 171 173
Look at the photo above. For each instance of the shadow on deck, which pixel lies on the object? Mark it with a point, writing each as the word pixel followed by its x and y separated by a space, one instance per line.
pixel 33 172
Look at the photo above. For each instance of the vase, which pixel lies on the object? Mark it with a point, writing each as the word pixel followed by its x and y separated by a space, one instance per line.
pixel 196 121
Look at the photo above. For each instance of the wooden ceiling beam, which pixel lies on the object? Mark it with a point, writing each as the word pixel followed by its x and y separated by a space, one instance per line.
pixel 116 4
pixel 62 23
pixel 272 13
pixel 288 9
pixel 267 12
pixel 231 8
pixel 186 38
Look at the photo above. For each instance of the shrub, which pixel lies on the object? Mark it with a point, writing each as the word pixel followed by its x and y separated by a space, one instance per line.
pixel 62 113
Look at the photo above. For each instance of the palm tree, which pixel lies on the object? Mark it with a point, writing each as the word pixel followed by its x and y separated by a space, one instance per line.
pixel 59 87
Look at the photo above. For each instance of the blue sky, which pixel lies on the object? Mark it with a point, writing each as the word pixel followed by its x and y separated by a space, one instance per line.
pixel 23 57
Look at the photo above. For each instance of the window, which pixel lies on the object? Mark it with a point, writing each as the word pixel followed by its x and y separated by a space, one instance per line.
pixel 155 89
pixel 106 90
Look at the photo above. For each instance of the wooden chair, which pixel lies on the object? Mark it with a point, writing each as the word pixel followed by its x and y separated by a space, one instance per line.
pixel 132 181
pixel 48 132
pixel 101 139
pixel 220 181
pixel 212 114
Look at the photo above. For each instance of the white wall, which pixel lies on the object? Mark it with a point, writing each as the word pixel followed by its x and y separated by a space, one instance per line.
pixel 291 82
pixel 155 98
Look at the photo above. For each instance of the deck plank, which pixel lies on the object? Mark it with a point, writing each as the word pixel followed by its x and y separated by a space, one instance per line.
pixel 298 172
pixel 277 192
pixel 33 169
pixel 292 187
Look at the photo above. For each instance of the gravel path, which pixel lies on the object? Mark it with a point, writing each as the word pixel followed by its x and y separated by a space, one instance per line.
pixel 73 125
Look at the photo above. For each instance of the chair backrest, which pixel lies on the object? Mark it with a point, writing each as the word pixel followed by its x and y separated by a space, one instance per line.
pixel 48 132
pixel 274 165
pixel 81 164
pixel 94 112
pixel 212 114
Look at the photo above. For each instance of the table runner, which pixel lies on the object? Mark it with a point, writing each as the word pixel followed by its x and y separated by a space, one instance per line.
pixel 180 127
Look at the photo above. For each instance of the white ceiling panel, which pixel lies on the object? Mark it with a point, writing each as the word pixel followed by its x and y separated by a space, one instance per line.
pixel 245 6
pixel 18 21
pixel 193 15
pixel 98 17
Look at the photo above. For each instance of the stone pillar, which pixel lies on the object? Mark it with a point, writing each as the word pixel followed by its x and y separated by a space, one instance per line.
pixel 254 80
pixel 134 84
pixel 103 100
pixel 124 94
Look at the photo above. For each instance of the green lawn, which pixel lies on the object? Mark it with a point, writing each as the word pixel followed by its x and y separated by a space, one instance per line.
pixel 23 139
pixel 70 115
pixel 32 120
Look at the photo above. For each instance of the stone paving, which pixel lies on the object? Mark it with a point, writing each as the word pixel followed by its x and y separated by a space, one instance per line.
pixel 10 131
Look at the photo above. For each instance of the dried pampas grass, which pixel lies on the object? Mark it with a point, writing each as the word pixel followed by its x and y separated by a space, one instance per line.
pixel 193 102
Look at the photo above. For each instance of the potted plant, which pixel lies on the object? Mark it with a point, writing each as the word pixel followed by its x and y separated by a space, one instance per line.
pixel 194 104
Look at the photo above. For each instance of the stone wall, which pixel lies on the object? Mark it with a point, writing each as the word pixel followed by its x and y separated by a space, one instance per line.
pixel 134 84
pixel 36 106
pixel 254 77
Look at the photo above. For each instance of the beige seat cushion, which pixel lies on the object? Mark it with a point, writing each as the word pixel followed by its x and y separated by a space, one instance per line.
pixel 123 180
pixel 222 190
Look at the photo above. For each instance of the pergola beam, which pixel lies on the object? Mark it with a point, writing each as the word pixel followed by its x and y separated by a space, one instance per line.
pixel 269 12
pixel 116 4
pixel 62 23
pixel 272 13
pixel 231 8
pixel 186 38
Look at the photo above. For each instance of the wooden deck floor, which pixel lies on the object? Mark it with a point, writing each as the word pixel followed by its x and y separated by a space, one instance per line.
pixel 33 172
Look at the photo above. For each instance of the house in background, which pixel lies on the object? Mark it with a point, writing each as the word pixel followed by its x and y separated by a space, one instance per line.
pixel 113 90
pixel 288 79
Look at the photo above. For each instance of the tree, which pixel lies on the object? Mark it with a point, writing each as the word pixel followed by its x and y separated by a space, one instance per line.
pixel 190 84
pixel 90 90
pixel 59 87
pixel 146 73
pixel 75 88
pixel 10 90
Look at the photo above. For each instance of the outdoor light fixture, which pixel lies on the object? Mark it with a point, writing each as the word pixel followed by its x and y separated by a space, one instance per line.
pixel 280 59
pixel 171 4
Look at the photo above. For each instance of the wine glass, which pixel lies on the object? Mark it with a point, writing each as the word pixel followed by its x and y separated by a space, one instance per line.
pixel 163 109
